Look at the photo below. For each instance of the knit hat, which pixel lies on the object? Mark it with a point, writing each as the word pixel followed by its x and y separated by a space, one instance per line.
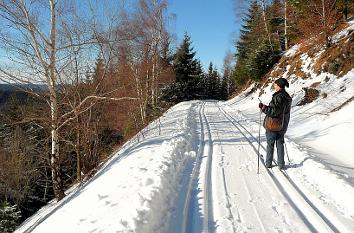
pixel 282 82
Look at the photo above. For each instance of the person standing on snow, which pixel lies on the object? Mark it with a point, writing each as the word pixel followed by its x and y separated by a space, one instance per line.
pixel 279 109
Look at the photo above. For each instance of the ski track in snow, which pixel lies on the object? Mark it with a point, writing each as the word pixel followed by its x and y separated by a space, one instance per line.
pixel 245 159
pixel 331 215
pixel 294 210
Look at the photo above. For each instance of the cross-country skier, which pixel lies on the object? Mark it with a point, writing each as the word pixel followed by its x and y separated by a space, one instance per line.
pixel 278 108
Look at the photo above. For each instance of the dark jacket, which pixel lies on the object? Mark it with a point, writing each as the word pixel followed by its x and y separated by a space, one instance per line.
pixel 280 103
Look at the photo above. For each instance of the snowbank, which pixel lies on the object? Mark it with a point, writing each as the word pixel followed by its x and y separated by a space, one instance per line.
pixel 135 189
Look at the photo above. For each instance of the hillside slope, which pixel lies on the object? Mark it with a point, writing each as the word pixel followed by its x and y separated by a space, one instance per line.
pixel 322 87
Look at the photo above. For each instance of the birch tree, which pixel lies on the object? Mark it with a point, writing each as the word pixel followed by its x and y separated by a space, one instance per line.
pixel 286 24
pixel 228 71
pixel 36 49
pixel 42 42
pixel 265 21
pixel 143 54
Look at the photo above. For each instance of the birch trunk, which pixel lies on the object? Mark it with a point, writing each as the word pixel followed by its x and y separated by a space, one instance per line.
pixel 265 23
pixel 139 92
pixel 55 160
pixel 286 24
pixel 324 23
pixel 153 77
pixel 77 149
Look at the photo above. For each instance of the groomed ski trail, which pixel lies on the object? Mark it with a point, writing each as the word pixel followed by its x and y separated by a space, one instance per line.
pixel 227 195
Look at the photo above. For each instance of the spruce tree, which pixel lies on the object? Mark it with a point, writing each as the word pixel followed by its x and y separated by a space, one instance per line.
pixel 224 88
pixel 255 56
pixel 9 217
pixel 261 60
pixel 186 66
pixel 213 84
pixel 250 36
pixel 248 32
pixel 189 75
pixel 277 20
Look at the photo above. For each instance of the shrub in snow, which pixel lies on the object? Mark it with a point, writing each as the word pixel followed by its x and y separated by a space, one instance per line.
pixel 9 217
pixel 311 94
pixel 334 66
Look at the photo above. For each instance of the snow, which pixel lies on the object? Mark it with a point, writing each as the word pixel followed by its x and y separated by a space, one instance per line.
pixel 149 184
pixel 342 34
pixel 292 51
pixel 195 170
pixel 134 188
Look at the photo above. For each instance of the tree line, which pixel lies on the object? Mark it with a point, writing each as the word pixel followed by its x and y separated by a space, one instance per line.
pixel 191 82
pixel 269 28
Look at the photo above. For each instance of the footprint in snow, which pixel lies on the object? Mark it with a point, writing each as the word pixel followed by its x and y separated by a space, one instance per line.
pixel 101 197
pixel 149 182
pixel 114 204
pixel 124 223
pixel 93 221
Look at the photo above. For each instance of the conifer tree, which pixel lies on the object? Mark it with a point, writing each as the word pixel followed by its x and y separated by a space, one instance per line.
pixel 213 84
pixel 256 54
pixel 189 75
pixel 251 23
pixel 261 60
pixel 9 217
pixel 250 36
pixel 224 88
pixel 277 21
pixel 186 67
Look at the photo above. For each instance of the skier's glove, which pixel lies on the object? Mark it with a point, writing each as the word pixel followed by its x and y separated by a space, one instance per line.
pixel 263 107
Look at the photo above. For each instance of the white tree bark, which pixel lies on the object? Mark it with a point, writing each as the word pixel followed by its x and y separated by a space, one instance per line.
pixel 265 23
pixel 286 24
pixel 55 160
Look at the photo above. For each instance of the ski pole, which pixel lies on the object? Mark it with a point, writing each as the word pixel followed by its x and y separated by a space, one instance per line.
pixel 287 153
pixel 259 134
pixel 259 137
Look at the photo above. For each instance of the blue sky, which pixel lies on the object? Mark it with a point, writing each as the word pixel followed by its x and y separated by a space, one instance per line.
pixel 211 25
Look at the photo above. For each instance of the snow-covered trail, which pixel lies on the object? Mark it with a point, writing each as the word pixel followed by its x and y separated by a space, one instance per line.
pixel 232 197
pixel 244 200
